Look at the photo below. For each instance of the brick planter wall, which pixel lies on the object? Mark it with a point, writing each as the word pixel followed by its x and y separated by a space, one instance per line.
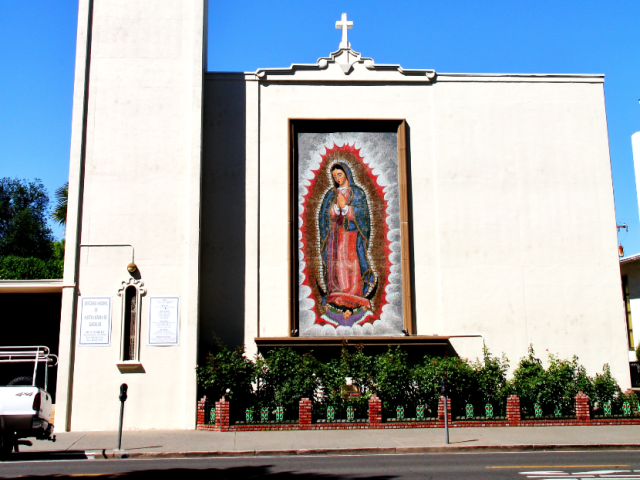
pixel 222 415
pixel 375 412
pixel 441 409
pixel 514 414
pixel 201 412
pixel 583 412
pixel 305 413
pixel 514 418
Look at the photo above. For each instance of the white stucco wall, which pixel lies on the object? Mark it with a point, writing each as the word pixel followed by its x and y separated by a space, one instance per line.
pixel 513 215
pixel 135 181
pixel 278 103
pixel 528 248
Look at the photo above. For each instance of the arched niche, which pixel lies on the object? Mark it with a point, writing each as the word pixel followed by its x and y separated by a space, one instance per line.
pixel 131 292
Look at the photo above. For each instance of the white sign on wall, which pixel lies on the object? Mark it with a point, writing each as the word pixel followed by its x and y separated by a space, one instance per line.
pixel 164 321
pixel 95 322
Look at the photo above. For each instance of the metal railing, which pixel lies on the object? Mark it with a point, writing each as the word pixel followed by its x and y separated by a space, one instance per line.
pixel 343 412
pixel 615 409
pixel 30 354
pixel 247 414
pixel 547 411
pixel 411 412
pixel 480 411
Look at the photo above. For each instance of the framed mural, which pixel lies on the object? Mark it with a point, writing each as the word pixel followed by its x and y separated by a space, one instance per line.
pixel 350 235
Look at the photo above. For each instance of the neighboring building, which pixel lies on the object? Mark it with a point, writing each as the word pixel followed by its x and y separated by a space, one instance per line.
pixel 630 271
pixel 478 209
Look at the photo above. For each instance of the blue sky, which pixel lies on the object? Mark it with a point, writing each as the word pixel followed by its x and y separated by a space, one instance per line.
pixel 37 49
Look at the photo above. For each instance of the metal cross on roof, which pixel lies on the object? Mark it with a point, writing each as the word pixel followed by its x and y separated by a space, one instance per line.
pixel 344 25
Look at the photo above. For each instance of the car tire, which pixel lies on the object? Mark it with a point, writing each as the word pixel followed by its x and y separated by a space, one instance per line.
pixel 23 381
pixel 6 446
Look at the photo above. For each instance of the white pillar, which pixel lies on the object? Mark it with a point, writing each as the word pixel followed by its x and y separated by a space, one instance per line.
pixel 134 179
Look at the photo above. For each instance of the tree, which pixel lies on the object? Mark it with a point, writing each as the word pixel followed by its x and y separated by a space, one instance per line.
pixel 24 231
pixel 59 213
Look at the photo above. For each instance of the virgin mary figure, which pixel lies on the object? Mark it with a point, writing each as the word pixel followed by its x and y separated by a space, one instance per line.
pixel 345 230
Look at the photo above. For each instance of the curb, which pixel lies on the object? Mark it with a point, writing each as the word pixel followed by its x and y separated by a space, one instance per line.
pixel 114 454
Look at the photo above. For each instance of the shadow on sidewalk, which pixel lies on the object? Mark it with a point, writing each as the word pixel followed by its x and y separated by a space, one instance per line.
pixel 50 455
pixel 245 472
pixel 464 441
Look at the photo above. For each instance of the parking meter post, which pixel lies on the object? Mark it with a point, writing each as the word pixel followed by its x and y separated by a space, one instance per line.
pixel 443 391
pixel 123 398
pixel 446 421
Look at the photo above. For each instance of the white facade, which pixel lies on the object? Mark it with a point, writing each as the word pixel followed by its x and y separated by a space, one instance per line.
pixel 135 180
pixel 514 233
pixel 513 214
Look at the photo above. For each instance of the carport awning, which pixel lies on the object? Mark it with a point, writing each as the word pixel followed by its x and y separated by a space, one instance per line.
pixel 31 286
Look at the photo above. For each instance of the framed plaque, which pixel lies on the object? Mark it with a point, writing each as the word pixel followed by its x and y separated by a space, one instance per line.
pixel 95 322
pixel 164 321
pixel 351 237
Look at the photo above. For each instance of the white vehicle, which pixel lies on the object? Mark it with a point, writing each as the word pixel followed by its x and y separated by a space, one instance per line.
pixel 25 408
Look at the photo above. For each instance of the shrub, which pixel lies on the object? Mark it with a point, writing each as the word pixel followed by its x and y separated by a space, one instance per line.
pixel 395 383
pixel 630 397
pixel 227 373
pixel 357 366
pixel 528 378
pixel 459 377
pixel 605 388
pixel 428 381
pixel 283 377
pixel 491 378
pixel 560 383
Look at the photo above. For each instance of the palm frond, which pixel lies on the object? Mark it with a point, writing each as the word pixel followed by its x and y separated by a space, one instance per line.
pixel 59 213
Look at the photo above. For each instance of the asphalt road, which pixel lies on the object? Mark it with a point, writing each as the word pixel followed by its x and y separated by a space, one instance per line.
pixel 590 465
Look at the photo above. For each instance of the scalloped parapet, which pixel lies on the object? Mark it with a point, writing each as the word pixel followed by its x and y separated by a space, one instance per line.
pixel 345 65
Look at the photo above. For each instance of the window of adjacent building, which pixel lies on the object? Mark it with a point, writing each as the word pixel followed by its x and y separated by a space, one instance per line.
pixel 627 311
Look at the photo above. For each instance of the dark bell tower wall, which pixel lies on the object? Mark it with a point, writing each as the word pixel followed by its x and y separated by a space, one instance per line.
pixel 222 255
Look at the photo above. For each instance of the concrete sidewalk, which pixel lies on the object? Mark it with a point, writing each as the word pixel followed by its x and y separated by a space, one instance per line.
pixel 198 443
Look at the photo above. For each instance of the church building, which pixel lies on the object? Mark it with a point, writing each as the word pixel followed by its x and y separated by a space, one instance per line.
pixel 303 206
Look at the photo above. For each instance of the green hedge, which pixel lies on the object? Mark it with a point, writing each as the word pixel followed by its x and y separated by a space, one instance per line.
pixel 283 377
pixel 30 268
pixel 14 267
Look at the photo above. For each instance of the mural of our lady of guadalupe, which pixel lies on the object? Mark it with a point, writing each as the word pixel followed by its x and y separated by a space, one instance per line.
pixel 349 238
pixel 345 231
